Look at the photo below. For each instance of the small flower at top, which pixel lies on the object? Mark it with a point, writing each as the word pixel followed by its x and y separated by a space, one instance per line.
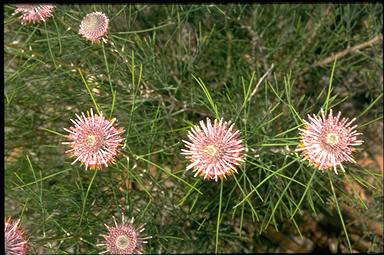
pixel 16 242
pixel 94 26
pixel 32 13
pixel 214 150
pixel 95 141
pixel 124 238
pixel 328 142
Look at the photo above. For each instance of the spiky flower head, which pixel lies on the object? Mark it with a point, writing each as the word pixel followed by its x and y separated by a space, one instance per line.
pixel 95 141
pixel 32 13
pixel 214 150
pixel 124 238
pixel 15 239
pixel 94 26
pixel 328 142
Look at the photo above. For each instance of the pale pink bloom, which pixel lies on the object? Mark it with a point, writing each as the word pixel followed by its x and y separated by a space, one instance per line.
pixel 95 141
pixel 94 26
pixel 32 13
pixel 214 150
pixel 15 239
pixel 124 238
pixel 328 142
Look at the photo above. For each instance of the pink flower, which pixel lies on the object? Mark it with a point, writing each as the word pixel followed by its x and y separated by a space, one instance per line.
pixel 15 239
pixel 95 140
pixel 32 13
pixel 214 150
pixel 124 238
pixel 94 26
pixel 328 142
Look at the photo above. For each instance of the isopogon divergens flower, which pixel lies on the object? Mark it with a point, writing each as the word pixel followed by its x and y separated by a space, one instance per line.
pixel 214 151
pixel 95 141
pixel 94 26
pixel 124 238
pixel 16 242
pixel 32 13
pixel 328 142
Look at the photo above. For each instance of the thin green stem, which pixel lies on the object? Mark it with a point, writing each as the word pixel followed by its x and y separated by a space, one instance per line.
pixel 339 211
pixel 330 87
pixel 370 106
pixel 208 95
pixel 42 179
pixel 144 30
pixel 90 93
pixel 219 217
pixel 304 194
pixel 107 66
pixel 169 173
pixel 49 45
pixel 86 196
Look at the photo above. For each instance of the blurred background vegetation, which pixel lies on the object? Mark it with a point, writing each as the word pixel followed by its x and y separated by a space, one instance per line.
pixel 147 75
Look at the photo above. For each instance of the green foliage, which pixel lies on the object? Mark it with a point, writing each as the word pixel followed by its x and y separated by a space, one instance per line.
pixel 162 69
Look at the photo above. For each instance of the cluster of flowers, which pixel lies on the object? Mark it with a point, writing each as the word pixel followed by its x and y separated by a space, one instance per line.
pixel 95 142
pixel 93 26
pixel 214 149
pixel 123 238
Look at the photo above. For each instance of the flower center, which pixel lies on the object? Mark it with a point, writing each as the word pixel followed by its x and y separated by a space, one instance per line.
pixel 123 242
pixel 332 139
pixel 90 140
pixel 211 150
pixel 94 22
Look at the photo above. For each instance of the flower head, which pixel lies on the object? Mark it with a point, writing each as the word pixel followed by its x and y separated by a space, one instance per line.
pixel 328 142
pixel 124 238
pixel 15 238
pixel 95 140
pixel 32 13
pixel 214 150
pixel 94 26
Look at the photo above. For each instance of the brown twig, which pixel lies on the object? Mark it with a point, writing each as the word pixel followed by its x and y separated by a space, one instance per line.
pixel 345 52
